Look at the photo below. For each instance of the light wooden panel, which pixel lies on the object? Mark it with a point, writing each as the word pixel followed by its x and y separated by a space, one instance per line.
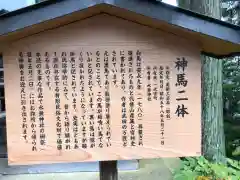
pixel 100 36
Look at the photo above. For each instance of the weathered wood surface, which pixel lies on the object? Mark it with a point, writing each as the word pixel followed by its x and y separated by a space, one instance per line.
pixel 103 33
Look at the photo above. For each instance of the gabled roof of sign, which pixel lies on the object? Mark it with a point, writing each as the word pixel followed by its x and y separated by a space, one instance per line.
pixel 216 38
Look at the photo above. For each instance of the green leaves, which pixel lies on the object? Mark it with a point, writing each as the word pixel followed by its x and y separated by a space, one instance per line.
pixel 186 175
pixel 236 152
pixel 231 97
pixel 200 167
pixel 220 171
pixel 231 85
pixel 234 164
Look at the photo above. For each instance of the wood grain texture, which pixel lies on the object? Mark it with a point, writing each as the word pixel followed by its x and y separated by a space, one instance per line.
pixel 102 33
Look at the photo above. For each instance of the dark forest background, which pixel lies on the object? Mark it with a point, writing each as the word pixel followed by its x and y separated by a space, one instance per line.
pixel 231 87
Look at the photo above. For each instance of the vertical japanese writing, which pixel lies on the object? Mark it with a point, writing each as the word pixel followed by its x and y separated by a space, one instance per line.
pixel 74 100
pixel 32 102
pixel 114 68
pixel 124 121
pixel 123 99
pixel 23 96
pixel 122 70
pixel 66 106
pixel 107 98
pixel 99 101
pixel 155 84
pixel 98 69
pixel 90 95
pixel 139 102
pixel 181 65
pixel 161 98
pixel 57 101
pixel 47 70
pixel 40 99
pixel 131 99
pixel 149 87
pixel 82 101
pixel 167 77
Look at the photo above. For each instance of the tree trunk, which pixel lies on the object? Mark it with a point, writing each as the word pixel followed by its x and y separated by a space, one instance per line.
pixel 213 140
pixel 212 110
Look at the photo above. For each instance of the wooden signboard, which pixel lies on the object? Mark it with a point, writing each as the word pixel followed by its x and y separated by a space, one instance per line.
pixel 102 89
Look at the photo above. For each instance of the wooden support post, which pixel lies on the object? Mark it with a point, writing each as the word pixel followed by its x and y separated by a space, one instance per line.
pixel 108 170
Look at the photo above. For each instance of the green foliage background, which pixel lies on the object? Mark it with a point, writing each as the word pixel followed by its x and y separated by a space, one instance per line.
pixel 194 168
pixel 231 98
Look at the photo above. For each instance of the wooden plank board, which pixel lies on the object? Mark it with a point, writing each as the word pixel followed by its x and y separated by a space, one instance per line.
pixel 102 89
